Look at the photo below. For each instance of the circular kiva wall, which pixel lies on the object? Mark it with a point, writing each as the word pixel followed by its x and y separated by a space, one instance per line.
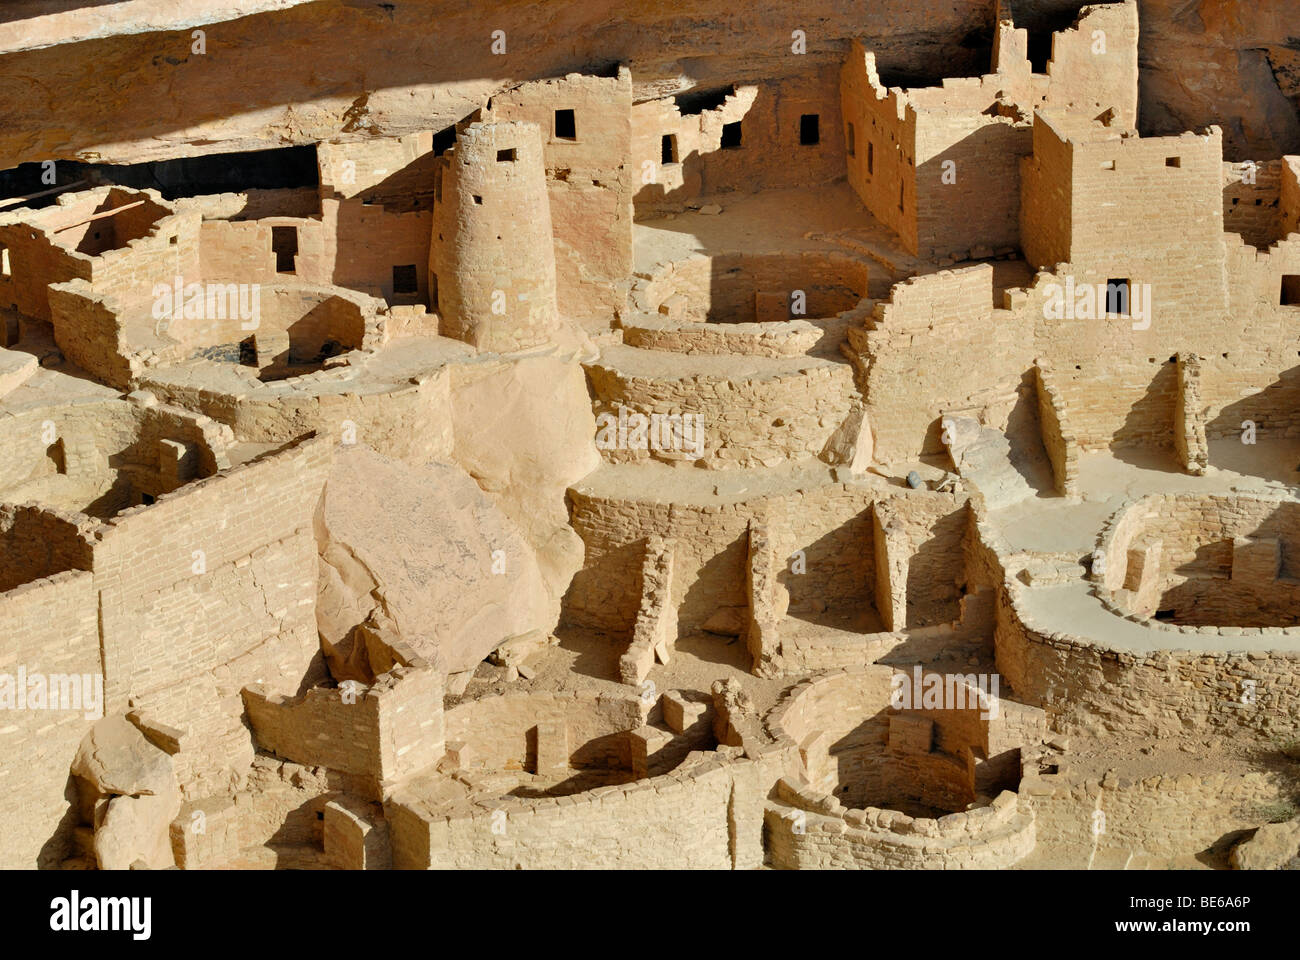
pixel 881 788
pixel 1195 560
pixel 750 288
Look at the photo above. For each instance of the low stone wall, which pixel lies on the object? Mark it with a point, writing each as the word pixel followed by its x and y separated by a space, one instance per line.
pixel 1164 816
pixel 808 831
pixel 704 815
pixel 383 732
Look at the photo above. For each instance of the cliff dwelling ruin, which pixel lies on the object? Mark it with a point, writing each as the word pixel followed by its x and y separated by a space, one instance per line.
pixel 873 445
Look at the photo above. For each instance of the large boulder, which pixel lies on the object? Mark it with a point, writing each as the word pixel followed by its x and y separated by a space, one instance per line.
pixel 1273 846
pixel 525 431
pixel 131 785
pixel 426 551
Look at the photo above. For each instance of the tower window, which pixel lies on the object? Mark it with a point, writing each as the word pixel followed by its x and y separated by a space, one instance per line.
pixel 507 156
pixel 566 125
pixel 1173 161
pixel 810 130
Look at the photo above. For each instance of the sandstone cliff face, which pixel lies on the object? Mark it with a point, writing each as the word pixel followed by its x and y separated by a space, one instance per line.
pixel 125 83
pixel 1228 62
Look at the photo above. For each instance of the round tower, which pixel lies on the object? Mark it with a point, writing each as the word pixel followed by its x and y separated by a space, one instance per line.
pixel 493 253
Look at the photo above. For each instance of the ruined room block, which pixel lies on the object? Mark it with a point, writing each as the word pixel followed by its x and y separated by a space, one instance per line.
pixel 1256 561
pixel 909 733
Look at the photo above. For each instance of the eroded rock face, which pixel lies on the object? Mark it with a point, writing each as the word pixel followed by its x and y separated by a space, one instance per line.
pixel 425 546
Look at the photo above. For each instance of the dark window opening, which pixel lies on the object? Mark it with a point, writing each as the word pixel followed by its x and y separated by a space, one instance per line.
pixel 810 130
pixel 848 140
pixel 731 135
pixel 54 453
pixel 284 244
pixel 1173 161
pixel 1040 50
pixel 507 156
pixel 433 291
pixel 444 140
pixel 1165 614
pixel 405 280
pixel 1291 290
pixel 1117 296
pixel 696 102
pixel 566 125
pixel 900 196
pixel 478 200
pixel 871 158
pixel 146 499
pixel 668 149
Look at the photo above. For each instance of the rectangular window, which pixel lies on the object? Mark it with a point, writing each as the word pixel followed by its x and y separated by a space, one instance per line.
pixel 848 140
pixel 405 280
pixel 1173 161
pixel 731 135
pixel 871 158
pixel 810 130
pixel 1290 290
pixel 1117 296
pixel 566 125
pixel 900 196
pixel 5 269
pixel 284 244
pixel 1108 164
pixel 668 149
pixel 433 292
pixel 506 156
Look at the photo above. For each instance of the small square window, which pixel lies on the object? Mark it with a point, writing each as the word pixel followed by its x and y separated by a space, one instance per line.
pixel 405 279
pixel 1173 161
pixel 507 156
pixel 1290 290
pixel 810 130
pixel 1108 164
pixel 731 135
pixel 478 200
pixel 566 125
